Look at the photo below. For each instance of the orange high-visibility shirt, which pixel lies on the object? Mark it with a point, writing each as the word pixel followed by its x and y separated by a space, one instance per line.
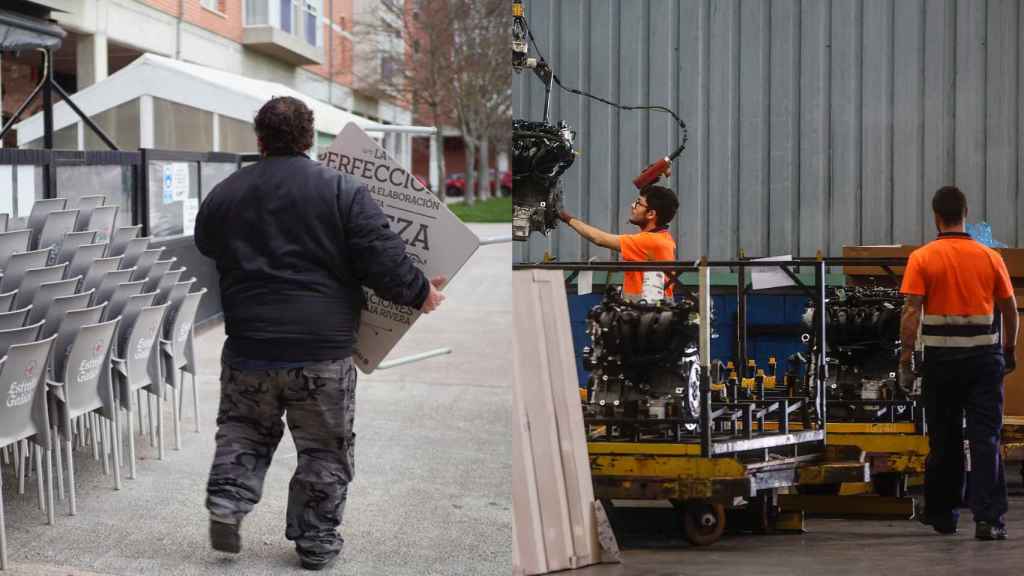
pixel 960 280
pixel 643 247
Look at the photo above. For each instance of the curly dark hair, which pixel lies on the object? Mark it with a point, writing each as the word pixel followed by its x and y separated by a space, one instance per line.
pixel 663 201
pixel 284 126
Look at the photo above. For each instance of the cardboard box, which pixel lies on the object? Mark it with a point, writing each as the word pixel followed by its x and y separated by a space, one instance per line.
pixel 1014 258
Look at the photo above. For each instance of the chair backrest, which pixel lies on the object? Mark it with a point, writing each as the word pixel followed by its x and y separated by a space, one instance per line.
pixel 133 251
pixel 85 205
pixel 99 268
pixel 4 220
pixel 23 413
pixel 72 242
pixel 120 297
pixel 58 224
pixel 109 283
pixel 12 242
pixel 40 210
pixel 20 335
pixel 67 331
pixel 138 347
pixel 7 299
pixel 131 312
pixel 178 326
pixel 14 273
pixel 83 368
pixel 14 319
pixel 47 293
pixel 35 277
pixel 166 284
pixel 145 263
pixel 178 293
pixel 120 238
pixel 60 306
pixel 102 220
pixel 83 258
pixel 157 272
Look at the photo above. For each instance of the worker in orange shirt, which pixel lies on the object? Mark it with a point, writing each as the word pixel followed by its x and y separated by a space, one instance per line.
pixel 959 283
pixel 652 212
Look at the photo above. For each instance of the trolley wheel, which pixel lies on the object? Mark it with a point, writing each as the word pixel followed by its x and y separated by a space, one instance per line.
pixel 703 523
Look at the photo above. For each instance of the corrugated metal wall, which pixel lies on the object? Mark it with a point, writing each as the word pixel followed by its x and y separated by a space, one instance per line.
pixel 813 124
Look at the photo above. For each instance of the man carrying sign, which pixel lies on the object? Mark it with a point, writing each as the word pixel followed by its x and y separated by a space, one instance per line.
pixel 294 243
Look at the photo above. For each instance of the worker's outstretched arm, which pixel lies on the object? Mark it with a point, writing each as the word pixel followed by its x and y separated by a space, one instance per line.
pixel 592 233
pixel 1008 310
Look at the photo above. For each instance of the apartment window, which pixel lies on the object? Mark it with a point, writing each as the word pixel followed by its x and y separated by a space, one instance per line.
pixel 215 5
pixel 257 13
pixel 311 26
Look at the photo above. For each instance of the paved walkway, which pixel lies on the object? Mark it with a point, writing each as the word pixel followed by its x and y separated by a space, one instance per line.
pixel 431 494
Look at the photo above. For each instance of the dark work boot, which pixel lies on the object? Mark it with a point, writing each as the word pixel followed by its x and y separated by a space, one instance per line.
pixel 317 562
pixel 224 537
pixel 942 526
pixel 986 531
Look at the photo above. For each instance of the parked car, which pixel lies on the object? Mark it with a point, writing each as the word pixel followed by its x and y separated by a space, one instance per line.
pixel 455 184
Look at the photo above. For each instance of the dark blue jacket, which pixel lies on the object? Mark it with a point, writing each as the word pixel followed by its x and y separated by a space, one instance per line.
pixel 294 243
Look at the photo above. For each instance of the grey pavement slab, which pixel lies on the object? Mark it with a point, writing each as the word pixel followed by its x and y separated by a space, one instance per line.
pixel 432 490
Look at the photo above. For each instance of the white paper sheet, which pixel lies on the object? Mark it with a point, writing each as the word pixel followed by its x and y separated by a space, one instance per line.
pixel 764 278
pixel 6 190
pixel 26 190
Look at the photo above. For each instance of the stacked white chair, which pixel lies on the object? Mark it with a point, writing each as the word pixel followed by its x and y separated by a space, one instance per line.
pixel 99 320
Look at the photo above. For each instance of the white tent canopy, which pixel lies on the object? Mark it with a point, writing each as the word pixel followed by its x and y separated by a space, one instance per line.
pixel 223 93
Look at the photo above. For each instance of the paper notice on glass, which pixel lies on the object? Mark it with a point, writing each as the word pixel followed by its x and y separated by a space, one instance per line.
pixel 7 190
pixel 438 242
pixel 763 278
pixel 585 282
pixel 188 215
pixel 175 184
pixel 26 190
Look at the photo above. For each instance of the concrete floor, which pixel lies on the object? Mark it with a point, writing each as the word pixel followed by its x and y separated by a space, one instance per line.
pixel 432 492
pixel 831 547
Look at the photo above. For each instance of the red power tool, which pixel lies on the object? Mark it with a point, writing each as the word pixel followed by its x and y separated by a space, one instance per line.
pixel 651 174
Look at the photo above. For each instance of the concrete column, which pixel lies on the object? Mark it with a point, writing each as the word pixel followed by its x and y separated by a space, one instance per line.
pixel 91 52
pixel 435 175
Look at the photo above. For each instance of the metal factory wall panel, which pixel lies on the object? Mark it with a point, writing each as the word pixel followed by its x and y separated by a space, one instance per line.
pixel 813 124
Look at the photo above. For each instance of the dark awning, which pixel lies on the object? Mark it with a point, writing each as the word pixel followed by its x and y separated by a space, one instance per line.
pixel 19 32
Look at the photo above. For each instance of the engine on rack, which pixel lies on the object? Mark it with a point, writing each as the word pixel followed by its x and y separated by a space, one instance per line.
pixel 862 354
pixel 644 360
pixel 541 153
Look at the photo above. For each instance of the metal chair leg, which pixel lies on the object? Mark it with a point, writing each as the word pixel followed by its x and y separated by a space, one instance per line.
pixel 177 418
pixel 131 444
pixel 20 459
pixel 60 462
pixel 3 528
pixel 49 482
pixel 195 401
pixel 72 503
pixel 38 453
pixel 115 424
pixel 92 433
pixel 159 427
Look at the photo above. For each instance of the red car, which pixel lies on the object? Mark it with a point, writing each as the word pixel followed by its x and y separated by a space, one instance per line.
pixel 455 184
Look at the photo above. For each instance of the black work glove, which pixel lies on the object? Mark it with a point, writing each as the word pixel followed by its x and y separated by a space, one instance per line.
pixel 1010 359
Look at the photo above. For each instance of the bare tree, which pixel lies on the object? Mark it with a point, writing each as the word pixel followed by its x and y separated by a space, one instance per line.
pixel 405 54
pixel 482 90
pixel 452 65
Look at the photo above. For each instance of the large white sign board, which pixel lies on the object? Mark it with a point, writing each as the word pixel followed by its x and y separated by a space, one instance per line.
pixel 435 239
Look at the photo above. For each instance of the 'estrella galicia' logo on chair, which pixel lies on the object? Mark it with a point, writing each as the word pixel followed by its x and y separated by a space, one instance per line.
pixel 99 347
pixel 30 369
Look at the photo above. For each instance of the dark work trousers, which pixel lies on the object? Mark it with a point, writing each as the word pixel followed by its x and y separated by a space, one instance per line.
pixel 952 387
pixel 319 400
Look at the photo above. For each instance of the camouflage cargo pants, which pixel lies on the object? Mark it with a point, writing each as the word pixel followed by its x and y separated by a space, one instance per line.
pixel 319 403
